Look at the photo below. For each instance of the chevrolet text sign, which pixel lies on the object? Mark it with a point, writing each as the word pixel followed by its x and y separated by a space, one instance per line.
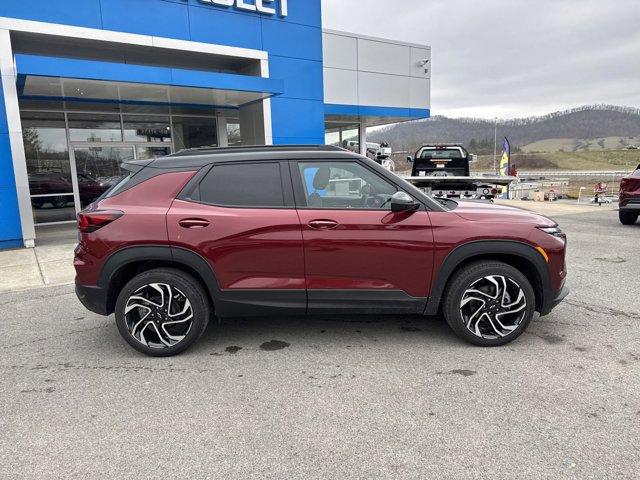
pixel 267 7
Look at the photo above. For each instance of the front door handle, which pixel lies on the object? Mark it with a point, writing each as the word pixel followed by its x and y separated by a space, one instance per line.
pixel 323 224
pixel 193 223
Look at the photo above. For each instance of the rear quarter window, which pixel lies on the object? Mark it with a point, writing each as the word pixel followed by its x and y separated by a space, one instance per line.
pixel 243 185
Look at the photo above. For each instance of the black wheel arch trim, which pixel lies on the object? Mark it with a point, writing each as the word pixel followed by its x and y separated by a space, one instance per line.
pixel 149 253
pixel 468 251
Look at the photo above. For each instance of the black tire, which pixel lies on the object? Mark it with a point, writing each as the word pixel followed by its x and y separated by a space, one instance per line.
pixel 627 218
pixel 188 287
pixel 471 275
pixel 59 202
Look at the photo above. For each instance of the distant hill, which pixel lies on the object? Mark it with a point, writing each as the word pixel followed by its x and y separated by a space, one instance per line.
pixel 595 127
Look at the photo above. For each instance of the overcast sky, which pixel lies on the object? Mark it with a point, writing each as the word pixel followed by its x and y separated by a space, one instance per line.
pixel 511 58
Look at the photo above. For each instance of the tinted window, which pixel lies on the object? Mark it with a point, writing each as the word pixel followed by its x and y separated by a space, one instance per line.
pixel 243 185
pixel 344 185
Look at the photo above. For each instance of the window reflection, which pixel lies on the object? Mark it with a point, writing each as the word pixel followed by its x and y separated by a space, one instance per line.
pixel 94 128
pixel 147 153
pixel 193 132
pixel 98 169
pixel 147 129
pixel 55 208
pixel 233 134
pixel 47 153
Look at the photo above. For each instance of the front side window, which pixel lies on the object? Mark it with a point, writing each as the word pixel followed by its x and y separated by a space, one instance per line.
pixel 243 185
pixel 344 185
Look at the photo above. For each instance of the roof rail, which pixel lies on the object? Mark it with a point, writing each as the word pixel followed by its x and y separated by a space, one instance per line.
pixel 255 148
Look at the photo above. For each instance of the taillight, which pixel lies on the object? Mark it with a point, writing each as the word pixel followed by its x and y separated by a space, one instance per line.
pixel 623 183
pixel 91 221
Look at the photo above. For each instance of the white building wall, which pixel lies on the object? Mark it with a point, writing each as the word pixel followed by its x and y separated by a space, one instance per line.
pixel 366 71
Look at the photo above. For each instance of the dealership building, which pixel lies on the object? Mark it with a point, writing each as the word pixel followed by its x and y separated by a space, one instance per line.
pixel 88 84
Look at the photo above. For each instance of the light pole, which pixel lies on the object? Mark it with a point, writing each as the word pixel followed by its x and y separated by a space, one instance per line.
pixel 495 144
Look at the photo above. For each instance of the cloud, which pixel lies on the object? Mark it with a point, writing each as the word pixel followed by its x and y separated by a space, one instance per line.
pixel 511 58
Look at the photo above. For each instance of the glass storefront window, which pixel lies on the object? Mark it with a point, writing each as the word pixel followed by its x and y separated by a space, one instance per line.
pixel 332 137
pixel 146 153
pixel 82 144
pixel 233 134
pixel 147 129
pixel 94 128
pixel 47 153
pixel 98 168
pixel 54 208
pixel 343 135
pixel 194 132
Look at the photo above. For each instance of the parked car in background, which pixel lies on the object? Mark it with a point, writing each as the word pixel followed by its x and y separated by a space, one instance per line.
pixel 247 231
pixel 629 201
pixel 55 183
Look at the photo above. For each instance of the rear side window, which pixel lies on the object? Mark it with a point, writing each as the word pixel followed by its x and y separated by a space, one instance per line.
pixel 243 185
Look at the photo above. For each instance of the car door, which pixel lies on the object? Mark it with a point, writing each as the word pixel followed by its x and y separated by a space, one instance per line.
pixel 359 255
pixel 241 218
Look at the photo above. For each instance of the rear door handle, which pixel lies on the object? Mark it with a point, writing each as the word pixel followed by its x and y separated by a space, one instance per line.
pixel 323 224
pixel 193 223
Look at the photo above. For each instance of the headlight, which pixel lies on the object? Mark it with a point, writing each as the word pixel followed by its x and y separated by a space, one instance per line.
pixel 555 231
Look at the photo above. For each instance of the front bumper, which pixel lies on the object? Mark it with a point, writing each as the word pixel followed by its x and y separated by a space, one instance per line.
pixel 553 303
pixel 93 299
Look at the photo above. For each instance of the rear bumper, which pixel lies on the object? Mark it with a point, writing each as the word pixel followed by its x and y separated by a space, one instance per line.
pixel 630 207
pixel 93 299
pixel 553 303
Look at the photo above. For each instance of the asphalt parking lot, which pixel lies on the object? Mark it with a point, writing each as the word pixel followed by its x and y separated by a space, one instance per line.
pixel 393 397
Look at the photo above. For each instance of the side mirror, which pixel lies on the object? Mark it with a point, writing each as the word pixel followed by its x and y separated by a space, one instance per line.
pixel 403 202
pixel 409 159
pixel 472 158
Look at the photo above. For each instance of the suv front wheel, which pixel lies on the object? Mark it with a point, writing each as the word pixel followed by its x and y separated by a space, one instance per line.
pixel 162 312
pixel 489 303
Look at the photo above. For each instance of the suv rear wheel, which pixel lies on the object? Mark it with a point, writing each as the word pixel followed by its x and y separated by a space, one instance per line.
pixel 627 218
pixel 489 303
pixel 162 312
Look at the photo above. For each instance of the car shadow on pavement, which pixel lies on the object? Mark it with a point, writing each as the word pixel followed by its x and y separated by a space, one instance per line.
pixel 229 336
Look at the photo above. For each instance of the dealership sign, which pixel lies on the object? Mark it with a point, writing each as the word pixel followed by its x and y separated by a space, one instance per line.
pixel 267 7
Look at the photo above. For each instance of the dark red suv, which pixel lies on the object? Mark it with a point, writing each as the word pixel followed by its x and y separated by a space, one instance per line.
pixel 305 230
pixel 629 201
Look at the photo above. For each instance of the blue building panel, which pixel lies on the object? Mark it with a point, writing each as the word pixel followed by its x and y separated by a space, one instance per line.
pixel 7 179
pixel 295 118
pixel 83 13
pixel 10 229
pixel 225 27
pixel 162 19
pixel 303 78
pixel 292 40
pixel 376 111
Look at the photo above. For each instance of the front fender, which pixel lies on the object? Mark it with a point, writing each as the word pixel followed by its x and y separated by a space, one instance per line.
pixel 492 249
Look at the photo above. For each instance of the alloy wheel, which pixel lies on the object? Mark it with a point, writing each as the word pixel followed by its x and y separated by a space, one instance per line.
pixel 158 315
pixel 493 306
